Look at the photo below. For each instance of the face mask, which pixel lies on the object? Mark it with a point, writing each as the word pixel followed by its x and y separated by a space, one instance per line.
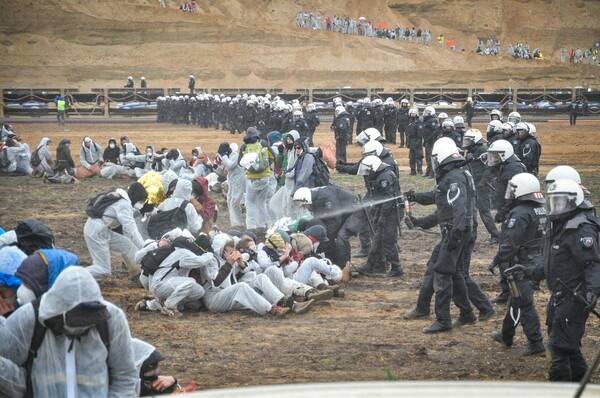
pixel 315 246
pixel 149 153
pixel 112 146
pixel 194 157
pixel 138 205
pixel 25 295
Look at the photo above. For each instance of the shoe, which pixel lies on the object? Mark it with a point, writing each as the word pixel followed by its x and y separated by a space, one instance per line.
pixel 501 299
pixel 413 173
pixel 497 336
pixel 416 314
pixel 364 269
pixel 361 254
pixel 346 275
pixel 302 308
pixel 437 328
pixel 286 301
pixel 534 348
pixel 492 241
pixel 396 273
pixel 278 311
pixel 141 306
pixel 465 320
pixel 340 293
pixel 319 295
pixel 485 315
pixel 429 177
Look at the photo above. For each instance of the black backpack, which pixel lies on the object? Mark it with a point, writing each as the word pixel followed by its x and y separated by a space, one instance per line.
pixel 97 205
pixel 152 260
pixel 33 235
pixel 35 158
pixel 39 332
pixel 165 221
pixel 4 162
pixel 320 169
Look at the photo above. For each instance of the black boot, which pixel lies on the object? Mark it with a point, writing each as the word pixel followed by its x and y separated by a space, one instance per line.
pixel 534 348
pixel 499 337
pixel 437 327
pixel 416 314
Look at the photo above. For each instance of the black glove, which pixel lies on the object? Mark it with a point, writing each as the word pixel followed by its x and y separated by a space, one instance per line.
pixel 411 195
pixel 411 222
pixel 592 300
pixel 492 268
pixel 454 240
pixel 499 218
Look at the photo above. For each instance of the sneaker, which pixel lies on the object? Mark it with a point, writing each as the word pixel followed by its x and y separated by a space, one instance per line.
pixel 319 295
pixel 416 314
pixel 437 328
pixel 487 314
pixel 141 306
pixel 286 301
pixel 465 320
pixel 534 348
pixel 302 308
pixel 361 254
pixel 499 337
pixel 278 311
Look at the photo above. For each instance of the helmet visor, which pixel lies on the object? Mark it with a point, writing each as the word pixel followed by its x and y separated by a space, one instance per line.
pixel 560 203
pixel 510 191
pixel 363 170
pixel 467 141
pixel 493 159
pixel 434 162
pixel 514 119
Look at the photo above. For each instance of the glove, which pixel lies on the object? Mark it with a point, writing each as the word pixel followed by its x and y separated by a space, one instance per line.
pixel 410 195
pixel 499 218
pixel 492 267
pixel 592 300
pixel 411 222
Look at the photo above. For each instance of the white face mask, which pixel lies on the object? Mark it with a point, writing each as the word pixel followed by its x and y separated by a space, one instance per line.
pixel 138 205
pixel 25 295
pixel 111 145
pixel 149 153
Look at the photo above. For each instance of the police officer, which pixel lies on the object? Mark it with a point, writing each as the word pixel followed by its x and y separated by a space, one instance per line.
pixel 529 147
pixel 403 119
pixel 365 116
pixel 494 131
pixel 390 120
pixel 312 119
pixel 352 116
pixel 143 82
pixel 383 184
pixel 482 175
pixel 469 109
pixel 341 131
pixel 428 132
pixel 414 141
pixel 299 124
pixel 192 84
pixel 521 243
pixel 129 83
pixel 378 114
pixel 570 253
pixel 449 131
pixel 454 197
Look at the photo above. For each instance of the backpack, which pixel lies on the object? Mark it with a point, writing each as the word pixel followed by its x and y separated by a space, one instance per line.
pixel 165 221
pixel 4 162
pixel 35 158
pixel 97 205
pixel 39 332
pixel 33 235
pixel 263 160
pixel 320 170
pixel 152 260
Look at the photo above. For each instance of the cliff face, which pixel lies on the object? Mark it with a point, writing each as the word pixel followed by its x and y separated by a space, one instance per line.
pixel 254 44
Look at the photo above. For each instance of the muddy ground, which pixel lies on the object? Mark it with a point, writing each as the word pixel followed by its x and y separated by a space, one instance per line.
pixel 360 337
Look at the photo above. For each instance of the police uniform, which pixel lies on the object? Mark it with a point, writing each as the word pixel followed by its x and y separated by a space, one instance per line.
pixel 414 141
pixel 365 118
pixel 403 121
pixel 341 130
pixel 570 253
pixel 482 175
pixel 503 173
pixel 390 123
pixel 520 243
pixel 428 132
pixel 378 118
pixel 530 151
pixel 313 121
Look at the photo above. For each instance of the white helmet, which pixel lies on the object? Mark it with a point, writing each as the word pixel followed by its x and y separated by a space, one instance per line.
pixel 499 152
pixel 378 101
pixel 298 114
pixel 311 107
pixel 370 134
pixel 495 126
pixel 337 99
pixel 524 186
pixel 302 196
pixel 561 173
pixel 563 196
pixel 339 110
pixel 443 115
pixel 471 137
pixel 368 165
pixel 522 126
pixel 253 97
pixel 277 98
pixel 448 123
pixel 507 129
pixel 295 101
pixel 458 120
pixel 359 101
pixel 495 112
pixel 142 78
pixel 349 104
pixel 372 148
pixel 414 112
pixel 532 129
pixel 296 106
pixel 366 101
pixel 429 111
pixel 514 117
pixel 444 151
pixel 404 101
pixel 268 96
pixel 191 76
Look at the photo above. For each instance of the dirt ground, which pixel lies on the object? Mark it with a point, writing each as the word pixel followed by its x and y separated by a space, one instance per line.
pixel 360 337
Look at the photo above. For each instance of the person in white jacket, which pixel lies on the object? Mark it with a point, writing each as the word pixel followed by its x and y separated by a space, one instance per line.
pixel 236 181
pixel 183 192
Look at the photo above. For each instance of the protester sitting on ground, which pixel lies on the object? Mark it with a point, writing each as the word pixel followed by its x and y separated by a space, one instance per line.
pixel 88 349
pixel 201 163
pixel 111 152
pixel 64 170
pixel 102 240
pixel 14 156
pixel 147 363
pixel 90 158
pixel 10 259
pixel 42 160
pixel 175 162
pixel 182 194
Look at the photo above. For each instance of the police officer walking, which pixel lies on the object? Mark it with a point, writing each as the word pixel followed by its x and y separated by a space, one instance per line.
pixel 530 149
pixel 428 132
pixel 521 243
pixel 341 131
pixel 414 141
pixel 390 121
pixel 571 266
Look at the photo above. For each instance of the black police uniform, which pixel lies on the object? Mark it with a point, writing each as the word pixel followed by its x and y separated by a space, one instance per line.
pixel 341 131
pixel 570 253
pixel 414 141
pixel 301 127
pixel 428 132
pixel 469 109
pixel 403 120
pixel 383 184
pixel 192 85
pixel 521 243
pixel 313 121
pixel 482 175
pixel 378 118
pixel 530 151
pixel 352 116
pixel 454 136
pixel 503 173
pixel 365 119
pixel 390 123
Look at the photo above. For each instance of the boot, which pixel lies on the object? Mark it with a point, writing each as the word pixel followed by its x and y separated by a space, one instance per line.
pixel 286 302
pixel 465 320
pixel 534 348
pixel 499 337
pixel 346 276
pixel 278 311
pixel 486 314
pixel 362 253
pixel 302 308
pixel 416 314
pixel 396 273
pixel 319 295
pixel 365 269
pixel 437 327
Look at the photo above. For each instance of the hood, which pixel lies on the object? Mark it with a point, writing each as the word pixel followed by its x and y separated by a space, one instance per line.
pixel 40 270
pixel 273 137
pixel 141 352
pixel 43 142
pixel 166 179
pixel 113 141
pixel 75 285
pixel 203 183
pixel 304 143
pixel 129 148
pixel 57 260
pixel 86 139
pixel 218 244
pixel 10 259
pixel 197 150
pixel 183 189
pixel 295 134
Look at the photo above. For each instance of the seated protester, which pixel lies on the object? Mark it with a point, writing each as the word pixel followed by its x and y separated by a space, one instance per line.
pixel 12 378
pixel 205 206
pixel 128 148
pixel 224 293
pixel 147 363
pixel 85 348
pixel 111 153
pixel 201 163
pixel 102 240
pixel 90 158
pixel 12 156
pixel 38 272
pixel 10 259
pixel 44 157
pixel 175 162
pixel 148 163
pixel 23 158
pixel 167 179
pixel 171 284
pixel 182 193
pixel 64 170
pixel 128 162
